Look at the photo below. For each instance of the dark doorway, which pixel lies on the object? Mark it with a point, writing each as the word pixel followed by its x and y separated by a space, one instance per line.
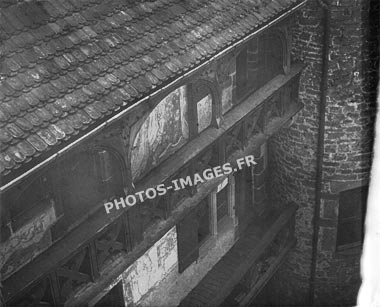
pixel 243 197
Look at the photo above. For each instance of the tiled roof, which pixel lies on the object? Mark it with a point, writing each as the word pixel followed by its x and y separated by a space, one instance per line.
pixel 68 65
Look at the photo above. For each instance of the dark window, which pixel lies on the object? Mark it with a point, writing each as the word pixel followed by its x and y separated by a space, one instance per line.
pixel 31 201
pixel 352 208
pixel 204 221
pixel 87 180
pixel 270 58
pixel 241 74
pixel 257 63
pixel 187 240
pixel 134 226
pixel 114 297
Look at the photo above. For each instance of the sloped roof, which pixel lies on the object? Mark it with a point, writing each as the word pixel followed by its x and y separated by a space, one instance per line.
pixel 68 65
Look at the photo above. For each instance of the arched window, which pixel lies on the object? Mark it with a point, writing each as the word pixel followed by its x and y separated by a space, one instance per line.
pixel 163 132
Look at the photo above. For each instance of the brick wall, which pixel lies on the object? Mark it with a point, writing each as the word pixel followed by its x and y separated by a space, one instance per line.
pixel 347 150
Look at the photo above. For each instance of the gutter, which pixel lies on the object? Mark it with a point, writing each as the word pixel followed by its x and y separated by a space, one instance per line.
pixel 320 147
pixel 131 108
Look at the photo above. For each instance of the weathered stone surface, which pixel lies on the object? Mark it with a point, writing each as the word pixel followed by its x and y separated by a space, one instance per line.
pixel 348 136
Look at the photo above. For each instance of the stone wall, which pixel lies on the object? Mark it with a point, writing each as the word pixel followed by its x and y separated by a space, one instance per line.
pixel 347 147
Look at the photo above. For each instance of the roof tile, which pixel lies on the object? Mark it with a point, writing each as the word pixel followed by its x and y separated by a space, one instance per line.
pixel 76 76
pixel 6 26
pixel 40 94
pixel 70 62
pixel 37 142
pixel 11 18
pixel 65 126
pixel 11 64
pixel 7 46
pixel 5 135
pixel 44 114
pixel 72 99
pixel 153 80
pixel 62 62
pixel 68 82
pixel 83 73
pixel 56 112
pixel 118 96
pixel 109 104
pixel 48 137
pixel 22 103
pixel 63 104
pixel 6 89
pixel 159 74
pixel 16 154
pixel 24 124
pixel 132 92
pixel 42 33
pixel 33 118
pixel 75 121
pixel 96 87
pixel 56 131
pixel 51 10
pixel 14 130
pixel 30 55
pixel 92 111
pixel 26 148
pixel 104 82
pixel 74 38
pixel 6 161
pixel 10 108
pixel 3 115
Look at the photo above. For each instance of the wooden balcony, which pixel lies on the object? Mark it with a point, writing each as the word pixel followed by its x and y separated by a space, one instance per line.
pixel 78 259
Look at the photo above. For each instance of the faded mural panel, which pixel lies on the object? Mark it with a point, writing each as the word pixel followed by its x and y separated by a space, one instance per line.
pixel 28 241
pixel 164 131
pixel 151 268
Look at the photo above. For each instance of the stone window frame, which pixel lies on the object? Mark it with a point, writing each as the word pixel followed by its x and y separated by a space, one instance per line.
pixel 355 219
pixel 336 188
